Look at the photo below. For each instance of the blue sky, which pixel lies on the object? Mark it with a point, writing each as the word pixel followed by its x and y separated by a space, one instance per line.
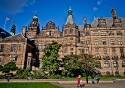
pixel 56 11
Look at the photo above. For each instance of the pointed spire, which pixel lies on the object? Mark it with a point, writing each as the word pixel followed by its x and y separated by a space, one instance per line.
pixel 70 18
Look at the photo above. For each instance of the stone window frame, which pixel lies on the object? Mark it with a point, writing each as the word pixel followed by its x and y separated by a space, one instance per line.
pixel 95 33
pixel 112 41
pixel 115 64
pixel 104 41
pixel 103 33
pixel 87 33
pixel 106 64
pixel 12 58
pixel 81 50
pixel 96 41
pixel 120 41
pixel 123 63
pixel 71 31
pixel 119 33
pixel 13 48
pixel 1 47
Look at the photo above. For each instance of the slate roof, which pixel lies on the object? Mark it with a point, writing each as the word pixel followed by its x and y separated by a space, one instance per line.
pixel 109 22
pixel 4 33
pixel 70 19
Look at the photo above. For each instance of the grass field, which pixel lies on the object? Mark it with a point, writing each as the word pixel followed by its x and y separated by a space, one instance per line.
pixel 28 85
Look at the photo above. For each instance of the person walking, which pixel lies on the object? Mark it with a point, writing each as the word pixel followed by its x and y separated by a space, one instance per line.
pixel 97 78
pixel 78 80
pixel 8 78
pixel 92 79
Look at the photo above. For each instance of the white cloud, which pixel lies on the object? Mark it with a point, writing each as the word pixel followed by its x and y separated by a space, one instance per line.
pixel 14 6
pixel 95 8
pixel 99 2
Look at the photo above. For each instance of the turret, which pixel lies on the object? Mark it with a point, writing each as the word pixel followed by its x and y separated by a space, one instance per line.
pixel 13 29
pixel 24 30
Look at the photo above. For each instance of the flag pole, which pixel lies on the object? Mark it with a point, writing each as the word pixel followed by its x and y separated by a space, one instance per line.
pixel 5 24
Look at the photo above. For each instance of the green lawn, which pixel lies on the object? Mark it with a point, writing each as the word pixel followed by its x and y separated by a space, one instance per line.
pixel 28 85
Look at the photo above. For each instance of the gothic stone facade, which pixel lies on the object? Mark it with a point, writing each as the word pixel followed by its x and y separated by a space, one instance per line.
pixel 104 38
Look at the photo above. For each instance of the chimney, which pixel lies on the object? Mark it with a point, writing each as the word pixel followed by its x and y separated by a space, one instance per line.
pixel 114 13
pixel 24 29
pixel 84 20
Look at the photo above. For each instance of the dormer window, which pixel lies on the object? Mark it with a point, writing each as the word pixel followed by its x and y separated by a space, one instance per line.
pixel 101 23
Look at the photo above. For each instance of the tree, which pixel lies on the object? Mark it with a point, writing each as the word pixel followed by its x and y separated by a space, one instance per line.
pixel 1 67
pixel 77 64
pixel 49 59
pixel 10 66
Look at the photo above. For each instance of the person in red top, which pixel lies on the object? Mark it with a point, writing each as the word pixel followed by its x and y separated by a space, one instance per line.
pixel 78 80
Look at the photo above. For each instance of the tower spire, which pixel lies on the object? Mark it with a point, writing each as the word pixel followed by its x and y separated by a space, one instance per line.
pixel 70 18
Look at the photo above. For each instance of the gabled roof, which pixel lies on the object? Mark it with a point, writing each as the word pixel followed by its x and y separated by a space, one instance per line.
pixel 109 22
pixel 16 37
pixel 4 33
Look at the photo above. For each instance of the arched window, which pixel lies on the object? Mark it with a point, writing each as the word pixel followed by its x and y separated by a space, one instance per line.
pixel 106 64
pixel 115 63
pixel 123 63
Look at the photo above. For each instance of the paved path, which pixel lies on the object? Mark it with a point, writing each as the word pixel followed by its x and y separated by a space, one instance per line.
pixel 72 84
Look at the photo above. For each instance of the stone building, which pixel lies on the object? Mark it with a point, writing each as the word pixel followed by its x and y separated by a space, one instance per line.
pixel 104 38
pixel 18 49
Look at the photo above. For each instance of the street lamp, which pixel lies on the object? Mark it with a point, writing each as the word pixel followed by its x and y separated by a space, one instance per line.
pixel 86 68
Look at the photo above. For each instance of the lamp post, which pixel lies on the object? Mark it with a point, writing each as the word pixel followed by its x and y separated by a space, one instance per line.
pixel 86 68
